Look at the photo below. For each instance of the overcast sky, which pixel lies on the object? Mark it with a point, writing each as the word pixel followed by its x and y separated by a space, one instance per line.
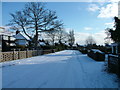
pixel 86 18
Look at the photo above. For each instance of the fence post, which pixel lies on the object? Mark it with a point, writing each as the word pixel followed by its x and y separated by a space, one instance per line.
pixel 13 54
pixel 37 52
pixel 42 52
pixel 26 53
pixel 19 54
pixel 1 57
pixel 52 51
pixel 33 52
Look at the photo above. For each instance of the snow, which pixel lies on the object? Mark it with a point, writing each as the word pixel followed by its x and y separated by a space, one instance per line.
pixel 42 43
pixel 113 55
pixel 96 50
pixel 64 69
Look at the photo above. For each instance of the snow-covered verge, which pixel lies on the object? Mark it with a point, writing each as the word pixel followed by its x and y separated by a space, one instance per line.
pixel 65 69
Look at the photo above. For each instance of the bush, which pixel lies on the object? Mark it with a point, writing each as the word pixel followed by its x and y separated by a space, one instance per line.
pixel 96 55
pixel 100 56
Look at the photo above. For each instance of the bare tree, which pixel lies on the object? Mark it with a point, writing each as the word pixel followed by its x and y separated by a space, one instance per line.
pixel 62 35
pixel 59 36
pixel 40 19
pixel 51 35
pixel 71 37
pixel 35 18
pixel 90 41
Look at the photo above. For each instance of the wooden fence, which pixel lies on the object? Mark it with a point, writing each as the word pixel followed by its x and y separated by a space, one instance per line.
pixel 114 64
pixel 14 55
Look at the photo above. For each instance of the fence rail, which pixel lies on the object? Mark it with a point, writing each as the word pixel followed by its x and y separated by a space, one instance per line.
pixel 14 55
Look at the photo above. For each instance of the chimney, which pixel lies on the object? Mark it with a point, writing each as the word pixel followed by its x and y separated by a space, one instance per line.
pixel 17 32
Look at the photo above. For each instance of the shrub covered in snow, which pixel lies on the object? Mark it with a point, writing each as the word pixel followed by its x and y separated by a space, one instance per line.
pixel 96 55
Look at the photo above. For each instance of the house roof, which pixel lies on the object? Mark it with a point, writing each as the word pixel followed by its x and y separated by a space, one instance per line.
pixel 74 45
pixel 21 36
pixel 42 43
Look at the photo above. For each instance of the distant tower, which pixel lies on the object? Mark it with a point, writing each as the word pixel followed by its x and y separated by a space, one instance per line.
pixel 119 9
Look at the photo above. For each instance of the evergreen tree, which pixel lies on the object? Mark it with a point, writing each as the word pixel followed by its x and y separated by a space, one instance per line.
pixel 114 34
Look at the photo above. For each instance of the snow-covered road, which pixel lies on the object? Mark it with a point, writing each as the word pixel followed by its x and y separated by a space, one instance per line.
pixel 65 69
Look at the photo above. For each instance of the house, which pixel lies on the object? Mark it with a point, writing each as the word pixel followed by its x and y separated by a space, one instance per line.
pixel 6 40
pixel 21 39
pixel 115 48
pixel 1 32
pixel 8 43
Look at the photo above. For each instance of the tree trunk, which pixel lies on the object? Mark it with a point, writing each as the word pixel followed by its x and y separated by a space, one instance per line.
pixel 36 36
